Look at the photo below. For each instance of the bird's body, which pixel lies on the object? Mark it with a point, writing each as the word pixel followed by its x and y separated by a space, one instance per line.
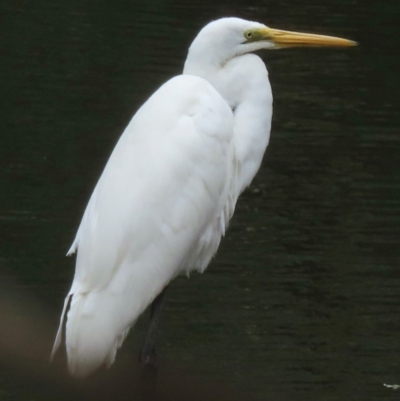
pixel 149 218
pixel 166 195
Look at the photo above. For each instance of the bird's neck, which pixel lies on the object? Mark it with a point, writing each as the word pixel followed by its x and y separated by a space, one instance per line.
pixel 243 82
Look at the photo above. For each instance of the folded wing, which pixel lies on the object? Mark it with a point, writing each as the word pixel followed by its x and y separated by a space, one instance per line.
pixel 159 209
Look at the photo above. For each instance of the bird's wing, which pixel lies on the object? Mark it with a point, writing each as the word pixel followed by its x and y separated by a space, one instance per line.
pixel 164 184
pixel 166 175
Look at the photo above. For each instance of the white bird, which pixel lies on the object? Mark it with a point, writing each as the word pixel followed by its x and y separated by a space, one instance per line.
pixel 166 195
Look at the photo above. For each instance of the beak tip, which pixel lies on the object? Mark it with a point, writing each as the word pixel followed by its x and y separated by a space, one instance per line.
pixel 353 43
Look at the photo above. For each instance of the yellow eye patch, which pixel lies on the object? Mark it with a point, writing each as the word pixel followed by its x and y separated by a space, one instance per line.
pixel 255 35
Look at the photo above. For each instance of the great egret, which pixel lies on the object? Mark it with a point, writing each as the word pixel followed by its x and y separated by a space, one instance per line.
pixel 166 195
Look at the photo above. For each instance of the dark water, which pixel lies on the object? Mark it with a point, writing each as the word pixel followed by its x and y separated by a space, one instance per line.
pixel 302 301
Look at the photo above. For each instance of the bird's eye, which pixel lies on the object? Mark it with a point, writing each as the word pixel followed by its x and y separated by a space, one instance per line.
pixel 249 35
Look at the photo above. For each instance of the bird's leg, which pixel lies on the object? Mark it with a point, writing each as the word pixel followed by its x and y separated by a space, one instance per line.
pixel 148 354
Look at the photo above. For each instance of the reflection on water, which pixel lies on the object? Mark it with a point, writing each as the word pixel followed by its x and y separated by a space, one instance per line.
pixel 302 299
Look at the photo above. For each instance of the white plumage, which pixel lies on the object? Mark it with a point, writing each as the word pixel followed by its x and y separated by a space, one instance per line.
pixel 156 211
pixel 166 195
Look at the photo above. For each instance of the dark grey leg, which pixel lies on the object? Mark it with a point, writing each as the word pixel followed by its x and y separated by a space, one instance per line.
pixel 148 354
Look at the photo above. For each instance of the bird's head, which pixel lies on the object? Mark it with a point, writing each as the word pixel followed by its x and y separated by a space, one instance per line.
pixel 223 39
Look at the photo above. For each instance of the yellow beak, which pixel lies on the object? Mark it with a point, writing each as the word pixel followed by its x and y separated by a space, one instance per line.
pixel 297 39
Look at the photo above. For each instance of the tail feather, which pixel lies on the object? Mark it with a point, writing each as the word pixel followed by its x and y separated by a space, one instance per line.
pixel 98 318
pixel 91 340
pixel 88 346
pixel 98 323
pixel 57 341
